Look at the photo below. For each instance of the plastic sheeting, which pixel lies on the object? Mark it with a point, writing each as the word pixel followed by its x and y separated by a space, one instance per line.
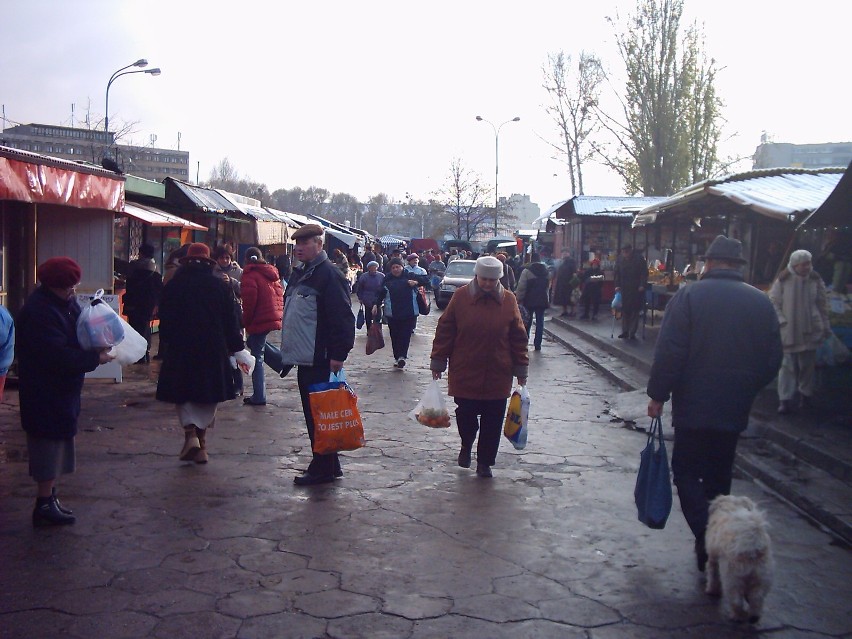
pixel 43 184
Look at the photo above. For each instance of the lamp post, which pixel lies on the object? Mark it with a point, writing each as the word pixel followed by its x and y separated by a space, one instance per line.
pixel 479 118
pixel 142 62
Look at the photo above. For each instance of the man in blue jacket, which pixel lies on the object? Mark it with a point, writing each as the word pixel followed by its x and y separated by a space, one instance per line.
pixel 719 345
pixel 317 334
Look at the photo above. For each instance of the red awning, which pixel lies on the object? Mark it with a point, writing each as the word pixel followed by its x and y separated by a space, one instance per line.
pixel 31 180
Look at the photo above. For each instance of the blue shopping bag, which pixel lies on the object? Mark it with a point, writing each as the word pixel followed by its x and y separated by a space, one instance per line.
pixel 653 492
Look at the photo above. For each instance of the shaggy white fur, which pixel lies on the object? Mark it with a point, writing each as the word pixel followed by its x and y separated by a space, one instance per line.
pixel 739 565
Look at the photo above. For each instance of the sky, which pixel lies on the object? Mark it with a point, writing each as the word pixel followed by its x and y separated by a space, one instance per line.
pixel 374 96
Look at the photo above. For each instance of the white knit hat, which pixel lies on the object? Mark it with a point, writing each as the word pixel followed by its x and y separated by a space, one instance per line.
pixel 799 257
pixel 489 267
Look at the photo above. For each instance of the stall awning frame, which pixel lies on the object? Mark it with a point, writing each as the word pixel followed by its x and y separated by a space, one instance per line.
pixel 156 217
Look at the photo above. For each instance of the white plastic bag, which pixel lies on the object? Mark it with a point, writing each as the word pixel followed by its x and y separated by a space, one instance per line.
pixel 132 348
pixel 243 360
pixel 517 418
pixel 98 325
pixel 432 410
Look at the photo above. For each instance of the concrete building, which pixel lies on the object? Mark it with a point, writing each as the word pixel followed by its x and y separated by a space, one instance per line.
pixel 770 155
pixel 525 210
pixel 86 145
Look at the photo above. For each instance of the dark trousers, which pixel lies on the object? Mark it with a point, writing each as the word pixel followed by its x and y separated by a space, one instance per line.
pixel 630 321
pixel 141 324
pixel 537 317
pixel 591 297
pixel 487 417
pixel 400 332
pixel 702 466
pixel 308 375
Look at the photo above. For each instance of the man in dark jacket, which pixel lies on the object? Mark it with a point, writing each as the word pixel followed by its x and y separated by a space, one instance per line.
pixel 200 326
pixel 51 368
pixel 719 345
pixel 533 293
pixel 631 276
pixel 317 333
pixel 144 285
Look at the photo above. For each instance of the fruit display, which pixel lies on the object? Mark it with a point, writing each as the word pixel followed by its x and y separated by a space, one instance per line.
pixel 434 418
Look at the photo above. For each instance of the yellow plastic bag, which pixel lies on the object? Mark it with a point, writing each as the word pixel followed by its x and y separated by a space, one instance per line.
pixel 517 415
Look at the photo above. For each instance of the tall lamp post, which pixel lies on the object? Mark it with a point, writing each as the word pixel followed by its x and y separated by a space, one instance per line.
pixel 142 62
pixel 479 118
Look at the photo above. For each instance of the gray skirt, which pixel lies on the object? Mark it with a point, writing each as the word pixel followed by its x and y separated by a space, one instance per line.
pixel 50 458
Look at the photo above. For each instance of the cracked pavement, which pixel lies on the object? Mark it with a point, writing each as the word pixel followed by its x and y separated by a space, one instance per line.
pixel 406 545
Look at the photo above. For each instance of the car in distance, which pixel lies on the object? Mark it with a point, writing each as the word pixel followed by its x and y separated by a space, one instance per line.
pixel 458 273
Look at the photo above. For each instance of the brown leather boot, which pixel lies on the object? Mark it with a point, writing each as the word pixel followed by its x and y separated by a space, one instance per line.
pixel 201 455
pixel 191 445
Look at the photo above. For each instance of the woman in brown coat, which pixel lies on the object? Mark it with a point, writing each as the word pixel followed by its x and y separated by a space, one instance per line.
pixel 483 337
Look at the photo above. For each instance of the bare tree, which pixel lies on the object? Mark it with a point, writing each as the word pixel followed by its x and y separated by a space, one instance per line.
pixel 574 93
pixel 671 123
pixel 463 197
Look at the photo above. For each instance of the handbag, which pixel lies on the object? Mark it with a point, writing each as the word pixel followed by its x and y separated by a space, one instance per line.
pixel 375 339
pixel 653 492
pixel 359 322
pixel 337 422
pixel 517 417
pixel 423 303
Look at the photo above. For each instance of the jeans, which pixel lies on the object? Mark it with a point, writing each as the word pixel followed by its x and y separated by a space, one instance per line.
pixel 256 344
pixel 537 315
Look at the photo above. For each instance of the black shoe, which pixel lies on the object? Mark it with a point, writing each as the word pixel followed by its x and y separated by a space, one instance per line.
pixel 585 317
pixel 400 363
pixel 67 511
pixel 564 315
pixel 700 554
pixel 464 457
pixel 622 336
pixel 483 471
pixel 338 473
pixel 250 401
pixel 47 513
pixel 632 337
pixel 307 479
pixel 538 348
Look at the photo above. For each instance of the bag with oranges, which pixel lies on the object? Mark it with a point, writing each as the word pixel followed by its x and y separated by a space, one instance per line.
pixel 432 409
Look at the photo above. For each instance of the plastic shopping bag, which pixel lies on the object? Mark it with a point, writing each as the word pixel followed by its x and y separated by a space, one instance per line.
pixel 132 348
pixel 616 301
pixel 653 491
pixel 243 360
pixel 432 409
pixel 359 321
pixel 98 325
pixel 375 339
pixel 832 351
pixel 517 416
pixel 337 422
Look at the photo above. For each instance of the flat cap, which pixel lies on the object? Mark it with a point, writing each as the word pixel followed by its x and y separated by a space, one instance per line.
pixel 308 230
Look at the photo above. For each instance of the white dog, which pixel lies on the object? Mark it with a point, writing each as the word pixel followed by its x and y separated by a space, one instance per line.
pixel 739 565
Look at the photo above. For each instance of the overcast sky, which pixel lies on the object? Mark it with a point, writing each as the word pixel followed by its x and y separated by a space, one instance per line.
pixel 365 97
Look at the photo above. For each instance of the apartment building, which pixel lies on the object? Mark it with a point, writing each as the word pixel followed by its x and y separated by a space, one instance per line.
pixel 770 155
pixel 86 145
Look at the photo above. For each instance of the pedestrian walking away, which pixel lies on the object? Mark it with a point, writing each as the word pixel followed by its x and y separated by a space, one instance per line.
pixel 263 308
pixel 142 294
pixel 631 277
pixel 565 284
pixel 317 334
pixel 483 338
pixel 51 369
pixel 533 293
pixel 719 345
pixel 398 296
pixel 199 323
pixel 801 302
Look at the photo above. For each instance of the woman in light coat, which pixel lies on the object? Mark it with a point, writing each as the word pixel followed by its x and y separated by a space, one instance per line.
pixel 802 305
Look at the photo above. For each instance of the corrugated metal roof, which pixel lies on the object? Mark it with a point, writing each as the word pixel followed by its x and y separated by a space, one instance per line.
pixel 60 163
pixel 622 206
pixel 781 194
pixel 207 200
pixel 157 217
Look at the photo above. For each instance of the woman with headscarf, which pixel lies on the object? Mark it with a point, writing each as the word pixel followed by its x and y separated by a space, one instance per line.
pixel 367 289
pixel 263 308
pixel 51 368
pixel 482 336
pixel 198 322
pixel 399 296
pixel 799 297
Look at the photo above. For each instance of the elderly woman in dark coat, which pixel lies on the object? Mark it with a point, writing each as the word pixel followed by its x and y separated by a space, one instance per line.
pixel 51 368
pixel 198 322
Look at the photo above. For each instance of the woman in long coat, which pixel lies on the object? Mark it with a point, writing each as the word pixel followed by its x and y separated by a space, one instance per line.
pixel 198 323
pixel 483 337
pixel 564 285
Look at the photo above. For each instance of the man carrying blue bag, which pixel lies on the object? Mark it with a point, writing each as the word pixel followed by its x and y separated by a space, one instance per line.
pixel 719 345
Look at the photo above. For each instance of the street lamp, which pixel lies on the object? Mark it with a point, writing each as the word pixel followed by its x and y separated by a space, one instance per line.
pixel 479 118
pixel 142 62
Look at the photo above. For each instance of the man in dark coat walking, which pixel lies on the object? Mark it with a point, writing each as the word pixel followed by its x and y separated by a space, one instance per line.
pixel 144 285
pixel 199 324
pixel 719 345
pixel 631 276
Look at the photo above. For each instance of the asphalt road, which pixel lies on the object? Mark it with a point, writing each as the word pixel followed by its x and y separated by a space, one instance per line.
pixel 407 544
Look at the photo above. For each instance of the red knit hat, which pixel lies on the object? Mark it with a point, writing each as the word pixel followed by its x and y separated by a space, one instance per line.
pixel 59 272
pixel 198 251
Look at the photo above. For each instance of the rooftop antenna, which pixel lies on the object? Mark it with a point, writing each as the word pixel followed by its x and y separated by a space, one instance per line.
pixel 178 141
pixel 153 139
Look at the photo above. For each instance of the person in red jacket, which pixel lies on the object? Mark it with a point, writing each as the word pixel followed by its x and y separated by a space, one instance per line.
pixel 263 308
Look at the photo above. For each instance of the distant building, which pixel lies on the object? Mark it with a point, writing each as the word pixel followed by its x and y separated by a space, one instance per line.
pixel 85 145
pixel 770 155
pixel 525 210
